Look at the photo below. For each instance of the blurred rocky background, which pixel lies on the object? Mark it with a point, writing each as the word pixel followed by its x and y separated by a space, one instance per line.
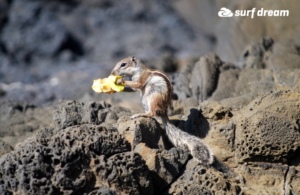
pixel 236 83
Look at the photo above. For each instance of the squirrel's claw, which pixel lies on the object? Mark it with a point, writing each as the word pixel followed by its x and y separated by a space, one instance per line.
pixel 134 116
pixel 120 81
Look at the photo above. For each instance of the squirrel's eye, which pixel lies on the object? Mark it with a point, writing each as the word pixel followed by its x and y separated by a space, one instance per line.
pixel 123 64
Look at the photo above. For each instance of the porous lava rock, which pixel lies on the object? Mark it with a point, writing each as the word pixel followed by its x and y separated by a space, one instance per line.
pixel 200 179
pixel 75 159
pixel 268 129
pixel 86 153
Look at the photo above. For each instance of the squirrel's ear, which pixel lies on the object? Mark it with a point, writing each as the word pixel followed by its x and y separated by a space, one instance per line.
pixel 133 58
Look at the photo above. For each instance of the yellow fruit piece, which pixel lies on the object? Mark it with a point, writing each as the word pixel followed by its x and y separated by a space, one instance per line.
pixel 107 85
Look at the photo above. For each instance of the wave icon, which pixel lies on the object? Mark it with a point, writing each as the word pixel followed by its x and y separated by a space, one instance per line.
pixel 224 12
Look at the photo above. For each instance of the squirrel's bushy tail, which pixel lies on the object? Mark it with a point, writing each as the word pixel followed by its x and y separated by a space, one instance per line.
pixel 182 139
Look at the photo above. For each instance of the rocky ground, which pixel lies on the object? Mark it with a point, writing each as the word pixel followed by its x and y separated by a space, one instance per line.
pixel 94 148
pixel 236 86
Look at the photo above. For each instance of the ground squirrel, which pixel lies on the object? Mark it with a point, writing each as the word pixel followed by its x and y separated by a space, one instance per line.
pixel 156 92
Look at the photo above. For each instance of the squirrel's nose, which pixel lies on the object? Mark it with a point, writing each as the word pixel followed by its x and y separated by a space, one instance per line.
pixel 113 72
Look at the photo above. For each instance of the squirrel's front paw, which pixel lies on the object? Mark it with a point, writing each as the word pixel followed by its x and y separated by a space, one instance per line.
pixel 120 81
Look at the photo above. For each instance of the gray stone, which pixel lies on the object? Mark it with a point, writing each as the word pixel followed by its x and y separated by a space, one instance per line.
pixel 104 191
pixel 34 30
pixel 226 84
pixel 285 55
pixel 72 113
pixel 5 147
pixel 255 55
pixel 205 76
pixel 182 81
pixel 20 120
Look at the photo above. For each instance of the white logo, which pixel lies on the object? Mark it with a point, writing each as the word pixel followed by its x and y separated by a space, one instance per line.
pixel 224 12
